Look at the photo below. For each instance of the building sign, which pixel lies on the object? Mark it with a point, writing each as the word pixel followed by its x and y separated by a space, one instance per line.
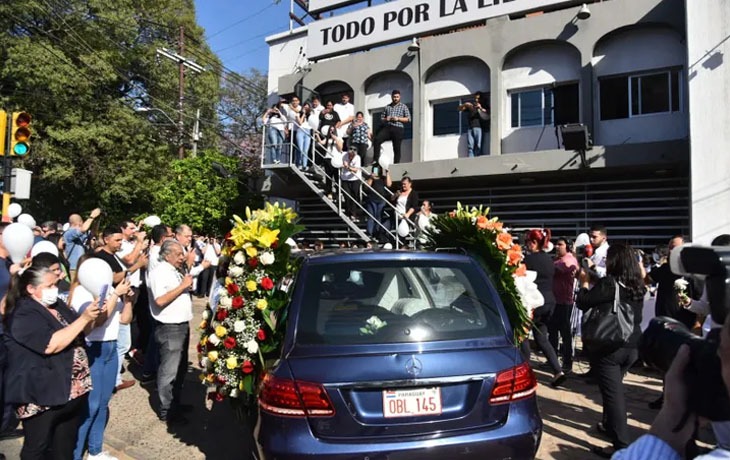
pixel 403 19
pixel 316 6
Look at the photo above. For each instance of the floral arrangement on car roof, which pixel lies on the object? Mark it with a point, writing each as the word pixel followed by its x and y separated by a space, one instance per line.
pixel 491 244
pixel 244 333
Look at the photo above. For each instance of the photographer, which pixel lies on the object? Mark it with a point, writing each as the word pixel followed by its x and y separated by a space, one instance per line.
pixel 623 273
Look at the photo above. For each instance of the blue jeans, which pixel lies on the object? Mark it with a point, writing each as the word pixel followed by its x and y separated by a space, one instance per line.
pixel 104 370
pixel 474 141
pixel 276 142
pixel 375 209
pixel 303 142
pixel 173 341
pixel 124 343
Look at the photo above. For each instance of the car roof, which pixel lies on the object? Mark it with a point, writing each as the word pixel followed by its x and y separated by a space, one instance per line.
pixel 362 255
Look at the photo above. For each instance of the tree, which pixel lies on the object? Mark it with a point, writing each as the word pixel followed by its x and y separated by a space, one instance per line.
pixel 195 195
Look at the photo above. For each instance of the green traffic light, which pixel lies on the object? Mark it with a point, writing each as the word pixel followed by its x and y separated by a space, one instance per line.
pixel 20 149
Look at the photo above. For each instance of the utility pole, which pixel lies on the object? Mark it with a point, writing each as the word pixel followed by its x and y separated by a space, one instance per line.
pixel 183 62
pixel 181 125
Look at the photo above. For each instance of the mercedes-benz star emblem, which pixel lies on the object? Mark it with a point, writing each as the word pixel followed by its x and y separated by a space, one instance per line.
pixel 414 366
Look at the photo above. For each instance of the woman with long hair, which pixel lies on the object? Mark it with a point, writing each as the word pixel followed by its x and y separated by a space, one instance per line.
pixel 536 259
pixel 101 347
pixel 623 272
pixel 48 363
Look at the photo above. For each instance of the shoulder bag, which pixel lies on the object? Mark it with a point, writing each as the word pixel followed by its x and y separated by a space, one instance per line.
pixel 607 327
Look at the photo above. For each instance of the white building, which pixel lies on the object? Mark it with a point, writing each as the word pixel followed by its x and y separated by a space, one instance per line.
pixel 646 77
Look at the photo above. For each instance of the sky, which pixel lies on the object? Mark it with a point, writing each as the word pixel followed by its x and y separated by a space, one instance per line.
pixel 236 30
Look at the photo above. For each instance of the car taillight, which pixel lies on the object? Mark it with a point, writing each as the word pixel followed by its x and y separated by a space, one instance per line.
pixel 513 384
pixel 293 398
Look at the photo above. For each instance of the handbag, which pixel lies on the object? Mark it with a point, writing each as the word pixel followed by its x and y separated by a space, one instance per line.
pixel 608 327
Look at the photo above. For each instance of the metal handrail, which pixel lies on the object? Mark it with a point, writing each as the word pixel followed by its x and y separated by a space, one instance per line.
pixel 314 142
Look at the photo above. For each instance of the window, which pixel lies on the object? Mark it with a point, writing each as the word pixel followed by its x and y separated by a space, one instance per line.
pixel 545 106
pixel 377 122
pixel 377 302
pixel 633 95
pixel 447 119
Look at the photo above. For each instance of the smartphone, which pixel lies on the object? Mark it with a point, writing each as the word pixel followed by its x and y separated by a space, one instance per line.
pixel 102 294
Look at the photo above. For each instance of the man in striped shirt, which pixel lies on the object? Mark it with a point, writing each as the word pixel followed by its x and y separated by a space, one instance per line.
pixel 395 115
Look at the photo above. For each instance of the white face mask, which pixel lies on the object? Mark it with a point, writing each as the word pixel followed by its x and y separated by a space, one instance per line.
pixel 49 296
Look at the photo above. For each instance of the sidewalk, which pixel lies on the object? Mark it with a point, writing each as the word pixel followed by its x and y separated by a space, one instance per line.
pixel 569 413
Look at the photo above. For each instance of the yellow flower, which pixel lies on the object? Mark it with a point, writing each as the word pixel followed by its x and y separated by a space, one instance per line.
pixel 213 356
pixel 232 362
pixel 201 377
pixel 261 304
pixel 251 285
pixel 240 385
pixel 251 251
pixel 203 324
pixel 229 280
pixel 210 378
pixel 220 331
pixel 204 341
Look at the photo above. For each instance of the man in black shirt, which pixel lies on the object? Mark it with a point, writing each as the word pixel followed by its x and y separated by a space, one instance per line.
pixel 113 237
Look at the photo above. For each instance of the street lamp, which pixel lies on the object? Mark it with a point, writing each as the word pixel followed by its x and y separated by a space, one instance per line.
pixel 154 109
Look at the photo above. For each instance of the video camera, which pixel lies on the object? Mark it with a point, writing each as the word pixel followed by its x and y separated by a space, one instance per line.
pixel 708 396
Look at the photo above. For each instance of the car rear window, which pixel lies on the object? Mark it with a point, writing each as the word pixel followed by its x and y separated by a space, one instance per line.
pixel 395 302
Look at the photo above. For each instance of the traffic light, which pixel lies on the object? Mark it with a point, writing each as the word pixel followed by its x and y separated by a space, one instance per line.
pixel 3 130
pixel 20 134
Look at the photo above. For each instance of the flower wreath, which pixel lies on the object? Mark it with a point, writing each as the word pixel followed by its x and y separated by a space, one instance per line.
pixel 491 244
pixel 245 332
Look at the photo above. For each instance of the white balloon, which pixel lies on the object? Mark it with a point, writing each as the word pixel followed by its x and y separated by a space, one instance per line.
pixel 65 226
pixel 18 239
pixel 151 221
pixel 44 246
pixel 386 155
pixel 336 160
pixel 14 210
pixel 582 240
pixel 93 274
pixel 27 220
pixel 403 228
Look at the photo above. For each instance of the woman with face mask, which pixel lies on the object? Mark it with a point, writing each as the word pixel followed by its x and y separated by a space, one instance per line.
pixel 48 363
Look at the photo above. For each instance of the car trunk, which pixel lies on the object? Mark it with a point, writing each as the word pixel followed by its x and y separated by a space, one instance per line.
pixel 419 394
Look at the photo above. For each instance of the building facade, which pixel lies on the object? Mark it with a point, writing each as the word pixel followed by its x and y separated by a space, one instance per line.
pixel 630 73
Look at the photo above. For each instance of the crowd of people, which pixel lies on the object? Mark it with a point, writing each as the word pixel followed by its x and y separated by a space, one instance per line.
pixel 65 346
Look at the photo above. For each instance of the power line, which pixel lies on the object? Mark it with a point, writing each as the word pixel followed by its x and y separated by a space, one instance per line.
pixel 241 21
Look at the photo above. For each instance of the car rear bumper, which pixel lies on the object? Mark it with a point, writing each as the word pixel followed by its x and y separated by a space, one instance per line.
pixel 519 438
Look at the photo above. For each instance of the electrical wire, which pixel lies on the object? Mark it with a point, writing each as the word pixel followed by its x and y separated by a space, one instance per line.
pixel 241 21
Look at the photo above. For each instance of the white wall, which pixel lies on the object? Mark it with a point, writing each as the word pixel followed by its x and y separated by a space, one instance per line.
pixel 631 52
pixel 449 80
pixel 285 53
pixel 708 29
pixel 535 67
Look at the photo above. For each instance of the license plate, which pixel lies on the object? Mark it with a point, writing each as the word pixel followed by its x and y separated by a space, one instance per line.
pixel 412 402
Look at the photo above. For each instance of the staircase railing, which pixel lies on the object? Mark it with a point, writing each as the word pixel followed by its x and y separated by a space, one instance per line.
pixel 287 148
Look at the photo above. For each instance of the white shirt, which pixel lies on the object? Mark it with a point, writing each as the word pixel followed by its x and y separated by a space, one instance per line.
pixel 292 116
pixel 211 255
pixel 346 174
pixel 163 279
pixel 599 258
pixel 135 279
pixel 105 332
pixel 344 111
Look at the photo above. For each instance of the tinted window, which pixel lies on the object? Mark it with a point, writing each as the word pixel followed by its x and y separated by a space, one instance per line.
pixel 397 301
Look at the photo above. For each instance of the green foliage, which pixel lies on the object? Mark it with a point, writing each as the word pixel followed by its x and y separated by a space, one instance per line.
pixel 472 231
pixel 194 195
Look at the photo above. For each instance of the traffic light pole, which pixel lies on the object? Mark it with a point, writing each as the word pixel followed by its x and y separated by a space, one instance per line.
pixel 7 169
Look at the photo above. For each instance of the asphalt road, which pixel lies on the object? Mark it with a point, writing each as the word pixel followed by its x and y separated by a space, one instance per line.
pixel 570 414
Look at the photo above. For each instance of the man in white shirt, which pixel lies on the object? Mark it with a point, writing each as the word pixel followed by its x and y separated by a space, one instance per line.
pixel 346 112
pixel 132 254
pixel 350 177
pixel 599 241
pixel 172 310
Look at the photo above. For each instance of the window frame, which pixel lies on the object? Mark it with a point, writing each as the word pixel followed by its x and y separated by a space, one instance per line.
pixel 463 123
pixel 543 91
pixel 629 77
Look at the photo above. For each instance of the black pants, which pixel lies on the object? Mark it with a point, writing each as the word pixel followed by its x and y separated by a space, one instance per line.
pixel 540 319
pixel 362 150
pixel 610 370
pixel 55 429
pixel 141 324
pixel 388 133
pixel 352 188
pixel 559 327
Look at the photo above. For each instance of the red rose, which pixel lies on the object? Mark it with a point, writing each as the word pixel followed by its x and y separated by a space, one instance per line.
pixel 221 379
pixel 275 244
pixel 218 397
pixel 261 335
pixel 267 284
pixel 229 343
pixel 232 289
pixel 253 262
pixel 247 367
pixel 237 302
pixel 221 314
